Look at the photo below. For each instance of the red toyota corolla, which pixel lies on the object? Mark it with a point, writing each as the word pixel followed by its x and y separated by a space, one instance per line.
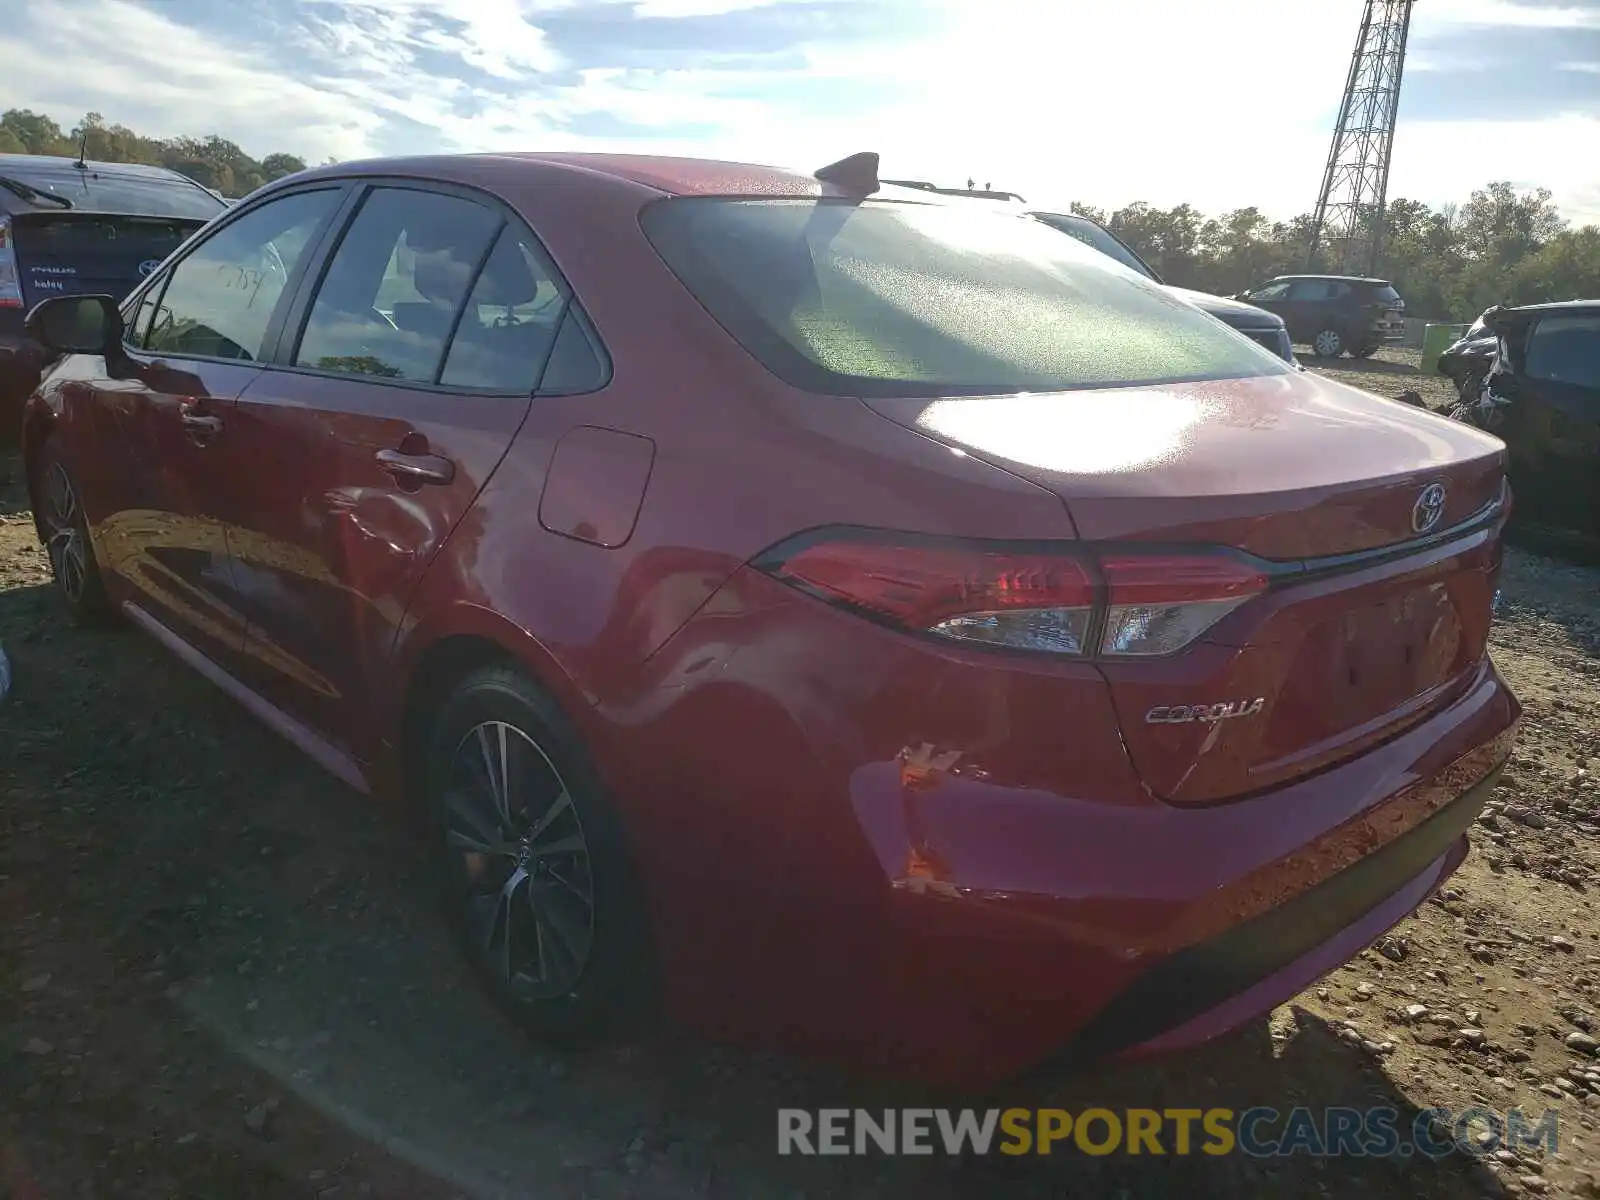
pixel 841 616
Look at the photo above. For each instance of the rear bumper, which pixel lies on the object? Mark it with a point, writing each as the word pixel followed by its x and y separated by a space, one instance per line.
pixel 1214 986
pixel 1131 933
pixel 960 871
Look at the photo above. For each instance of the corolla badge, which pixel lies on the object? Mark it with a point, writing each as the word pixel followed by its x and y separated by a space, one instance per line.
pixel 148 265
pixel 1207 714
pixel 1425 513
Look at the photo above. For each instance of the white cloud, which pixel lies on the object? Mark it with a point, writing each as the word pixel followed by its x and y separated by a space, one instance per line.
pixel 1531 14
pixel 493 35
pixel 1441 161
pixel 143 70
pixel 1586 68
pixel 696 8
pixel 1143 99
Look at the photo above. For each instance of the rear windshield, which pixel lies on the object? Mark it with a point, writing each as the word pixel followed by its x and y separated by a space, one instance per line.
pixel 1386 293
pixel 887 299
pixel 94 190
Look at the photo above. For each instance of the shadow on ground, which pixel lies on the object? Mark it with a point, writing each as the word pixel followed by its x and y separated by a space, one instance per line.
pixel 162 854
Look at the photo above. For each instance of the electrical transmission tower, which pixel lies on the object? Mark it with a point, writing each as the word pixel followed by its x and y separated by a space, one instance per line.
pixel 1347 234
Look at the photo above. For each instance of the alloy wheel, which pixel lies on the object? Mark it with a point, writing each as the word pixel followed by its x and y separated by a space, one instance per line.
pixel 521 848
pixel 64 539
pixel 1329 344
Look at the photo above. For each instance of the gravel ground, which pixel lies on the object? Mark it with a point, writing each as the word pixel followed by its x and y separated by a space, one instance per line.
pixel 221 975
pixel 1389 372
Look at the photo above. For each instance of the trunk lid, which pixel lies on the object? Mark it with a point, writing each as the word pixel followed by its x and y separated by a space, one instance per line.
pixel 1374 619
pixel 84 253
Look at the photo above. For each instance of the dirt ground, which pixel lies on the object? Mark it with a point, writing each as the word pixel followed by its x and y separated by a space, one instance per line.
pixel 222 975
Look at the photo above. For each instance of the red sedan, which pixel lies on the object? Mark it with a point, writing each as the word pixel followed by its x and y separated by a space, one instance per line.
pixel 835 615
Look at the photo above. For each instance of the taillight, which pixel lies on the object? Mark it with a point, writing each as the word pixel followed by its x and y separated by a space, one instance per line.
pixel 10 280
pixel 1073 602
pixel 1159 603
pixel 1027 601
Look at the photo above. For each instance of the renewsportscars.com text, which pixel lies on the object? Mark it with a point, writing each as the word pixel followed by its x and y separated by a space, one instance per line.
pixel 1260 1132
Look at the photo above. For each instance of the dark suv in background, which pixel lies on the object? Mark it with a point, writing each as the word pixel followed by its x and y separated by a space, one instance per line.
pixel 73 227
pixel 1334 313
pixel 1257 324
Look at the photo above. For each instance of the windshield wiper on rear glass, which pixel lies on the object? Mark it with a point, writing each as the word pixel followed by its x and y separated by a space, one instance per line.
pixel 17 188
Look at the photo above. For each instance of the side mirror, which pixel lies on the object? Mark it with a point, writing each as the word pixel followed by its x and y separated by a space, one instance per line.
pixel 77 324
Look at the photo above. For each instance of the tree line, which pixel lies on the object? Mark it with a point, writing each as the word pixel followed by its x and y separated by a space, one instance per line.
pixel 1503 246
pixel 212 161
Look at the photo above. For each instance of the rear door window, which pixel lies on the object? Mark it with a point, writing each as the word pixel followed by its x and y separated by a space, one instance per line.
pixel 884 298
pixel 1311 290
pixel 219 298
pixel 1566 350
pixel 396 286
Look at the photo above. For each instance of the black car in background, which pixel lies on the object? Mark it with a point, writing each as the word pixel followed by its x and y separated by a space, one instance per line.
pixel 1257 324
pixel 1334 313
pixel 70 226
pixel 1543 400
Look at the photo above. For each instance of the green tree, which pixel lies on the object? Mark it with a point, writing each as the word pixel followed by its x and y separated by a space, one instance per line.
pixel 37 132
pixel 276 166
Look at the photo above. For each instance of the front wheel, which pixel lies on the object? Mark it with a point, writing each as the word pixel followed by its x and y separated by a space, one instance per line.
pixel 65 532
pixel 536 870
pixel 1329 343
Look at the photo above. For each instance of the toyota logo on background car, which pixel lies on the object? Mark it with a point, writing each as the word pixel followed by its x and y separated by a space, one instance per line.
pixel 148 265
pixel 1425 513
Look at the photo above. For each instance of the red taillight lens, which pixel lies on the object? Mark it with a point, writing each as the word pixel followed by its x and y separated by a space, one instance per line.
pixel 1156 604
pixel 1026 600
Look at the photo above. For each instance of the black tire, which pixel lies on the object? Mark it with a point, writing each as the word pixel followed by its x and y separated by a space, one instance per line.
pixel 559 848
pixel 1364 351
pixel 1328 343
pixel 65 532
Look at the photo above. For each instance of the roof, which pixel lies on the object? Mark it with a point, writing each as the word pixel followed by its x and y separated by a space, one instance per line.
pixel 55 164
pixel 1341 278
pixel 648 173
pixel 1558 306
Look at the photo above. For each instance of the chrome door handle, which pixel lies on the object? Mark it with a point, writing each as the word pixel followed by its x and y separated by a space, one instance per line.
pixel 417 468
pixel 196 423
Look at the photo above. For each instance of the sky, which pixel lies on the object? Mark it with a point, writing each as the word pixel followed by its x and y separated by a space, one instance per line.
pixel 1218 103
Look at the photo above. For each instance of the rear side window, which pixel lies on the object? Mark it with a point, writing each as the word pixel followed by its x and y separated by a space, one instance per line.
pixel 1566 350
pixel 389 300
pixel 881 298
pixel 511 321
pixel 1317 290
pixel 219 299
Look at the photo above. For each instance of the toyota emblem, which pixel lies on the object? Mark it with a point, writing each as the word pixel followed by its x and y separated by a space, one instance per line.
pixel 148 265
pixel 1425 513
